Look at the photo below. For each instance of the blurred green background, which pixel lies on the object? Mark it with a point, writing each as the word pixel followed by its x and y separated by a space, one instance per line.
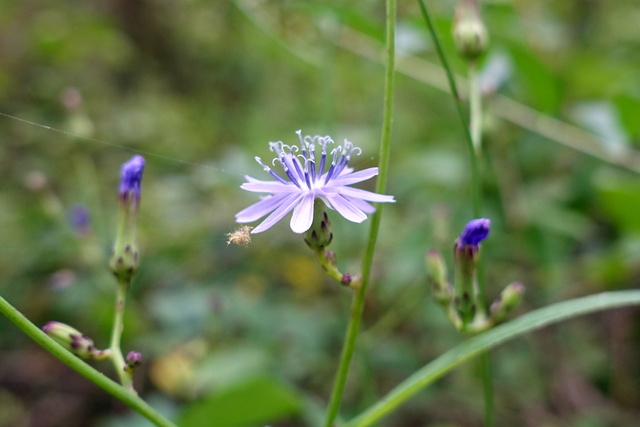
pixel 250 336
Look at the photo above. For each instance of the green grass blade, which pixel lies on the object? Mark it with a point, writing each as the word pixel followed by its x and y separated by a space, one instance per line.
pixel 465 351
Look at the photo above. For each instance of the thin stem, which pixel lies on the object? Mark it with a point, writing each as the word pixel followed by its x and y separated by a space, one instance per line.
pixel 357 305
pixel 460 107
pixel 475 123
pixel 119 364
pixel 72 361
pixel 473 134
pixel 329 268
pixel 475 106
pixel 475 346
pixel 487 387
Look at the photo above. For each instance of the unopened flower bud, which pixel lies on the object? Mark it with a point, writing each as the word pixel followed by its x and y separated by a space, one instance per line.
pixel 131 180
pixel 346 279
pixel 509 299
pixel 319 236
pixel 466 251
pixel 469 32
pixel 437 273
pixel 133 359
pixel 124 260
pixel 71 339
pixel 474 232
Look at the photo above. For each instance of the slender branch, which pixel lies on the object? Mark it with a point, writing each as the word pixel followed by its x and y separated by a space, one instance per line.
pixel 460 107
pixel 357 305
pixel 125 376
pixel 487 388
pixel 475 108
pixel 529 322
pixel 475 123
pixel 473 135
pixel 72 361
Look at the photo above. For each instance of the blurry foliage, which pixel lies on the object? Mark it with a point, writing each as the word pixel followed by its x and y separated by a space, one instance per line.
pixel 199 88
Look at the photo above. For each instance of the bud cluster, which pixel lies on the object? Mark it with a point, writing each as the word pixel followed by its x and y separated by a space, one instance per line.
pixel 462 301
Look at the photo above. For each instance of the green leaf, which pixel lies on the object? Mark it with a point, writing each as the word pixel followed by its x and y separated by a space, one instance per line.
pixel 526 323
pixel 256 402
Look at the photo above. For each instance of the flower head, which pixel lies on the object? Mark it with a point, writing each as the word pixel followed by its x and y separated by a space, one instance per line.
pixel 130 179
pixel 124 259
pixel 313 170
pixel 474 232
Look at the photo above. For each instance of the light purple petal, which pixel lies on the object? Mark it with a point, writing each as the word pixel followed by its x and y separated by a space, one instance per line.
pixel 285 207
pixel 365 195
pixel 352 178
pixel 268 187
pixel 260 209
pixel 345 171
pixel 347 209
pixel 303 214
pixel 363 206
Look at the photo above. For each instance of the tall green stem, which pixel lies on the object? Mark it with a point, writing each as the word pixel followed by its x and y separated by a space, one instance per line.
pixel 72 361
pixel 460 107
pixel 357 305
pixel 472 129
pixel 475 123
pixel 475 106
pixel 125 376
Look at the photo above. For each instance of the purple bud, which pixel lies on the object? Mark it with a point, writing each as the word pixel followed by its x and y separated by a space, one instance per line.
pixel 133 359
pixel 346 279
pixel 130 178
pixel 474 232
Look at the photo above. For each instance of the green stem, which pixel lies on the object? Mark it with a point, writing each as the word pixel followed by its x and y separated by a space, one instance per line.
pixel 69 359
pixel 479 344
pixel 487 387
pixel 460 107
pixel 119 364
pixel 357 305
pixel 475 106
pixel 473 133
pixel 475 123
pixel 329 268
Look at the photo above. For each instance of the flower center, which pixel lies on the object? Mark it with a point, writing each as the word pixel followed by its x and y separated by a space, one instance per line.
pixel 304 166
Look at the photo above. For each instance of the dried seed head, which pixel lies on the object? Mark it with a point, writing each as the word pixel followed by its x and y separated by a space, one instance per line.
pixel 240 237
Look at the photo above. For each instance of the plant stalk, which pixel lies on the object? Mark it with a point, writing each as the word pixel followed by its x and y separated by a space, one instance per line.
pixel 72 361
pixel 119 364
pixel 357 305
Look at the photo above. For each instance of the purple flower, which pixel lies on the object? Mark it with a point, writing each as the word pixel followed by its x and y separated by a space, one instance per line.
pixel 130 179
pixel 304 166
pixel 474 232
